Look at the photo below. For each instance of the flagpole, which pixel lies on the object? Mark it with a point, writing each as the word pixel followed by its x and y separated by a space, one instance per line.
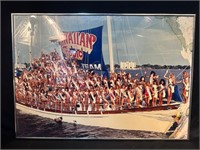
pixel 110 47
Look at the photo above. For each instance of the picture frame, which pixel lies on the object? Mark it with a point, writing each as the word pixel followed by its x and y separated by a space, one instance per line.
pixel 108 141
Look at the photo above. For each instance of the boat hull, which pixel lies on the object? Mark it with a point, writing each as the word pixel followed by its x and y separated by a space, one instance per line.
pixel 132 119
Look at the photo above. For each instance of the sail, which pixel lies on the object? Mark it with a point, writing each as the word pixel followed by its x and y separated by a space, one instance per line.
pixel 85 47
pixel 182 27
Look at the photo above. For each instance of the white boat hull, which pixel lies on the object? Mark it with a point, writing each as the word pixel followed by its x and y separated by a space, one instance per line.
pixel 155 121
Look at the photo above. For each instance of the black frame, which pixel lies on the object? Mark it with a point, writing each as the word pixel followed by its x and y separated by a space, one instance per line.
pixel 7 108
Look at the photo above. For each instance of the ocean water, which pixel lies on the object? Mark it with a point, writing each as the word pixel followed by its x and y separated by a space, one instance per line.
pixel 33 126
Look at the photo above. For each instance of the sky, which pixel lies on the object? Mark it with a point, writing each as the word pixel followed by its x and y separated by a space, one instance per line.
pixel 143 39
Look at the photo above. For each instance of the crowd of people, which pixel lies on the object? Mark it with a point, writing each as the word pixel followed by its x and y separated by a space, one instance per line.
pixel 58 84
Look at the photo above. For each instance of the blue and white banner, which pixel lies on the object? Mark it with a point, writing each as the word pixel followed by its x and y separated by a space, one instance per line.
pixel 86 47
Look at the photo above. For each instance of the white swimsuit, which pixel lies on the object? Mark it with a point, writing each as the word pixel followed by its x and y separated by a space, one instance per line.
pixel 155 91
pixel 186 85
pixel 162 88
pixel 171 85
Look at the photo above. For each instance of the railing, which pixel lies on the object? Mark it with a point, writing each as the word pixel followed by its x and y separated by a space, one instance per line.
pixel 116 111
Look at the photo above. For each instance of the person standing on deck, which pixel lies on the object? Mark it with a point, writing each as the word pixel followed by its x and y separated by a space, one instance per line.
pixel 104 94
pixel 98 98
pixel 130 93
pixel 139 94
pixel 161 91
pixel 86 97
pixel 185 81
pixel 117 95
pixel 74 100
pixel 186 86
pixel 112 97
pixel 154 93
pixel 123 95
pixel 147 93
pixel 92 98
pixel 171 83
pixel 152 77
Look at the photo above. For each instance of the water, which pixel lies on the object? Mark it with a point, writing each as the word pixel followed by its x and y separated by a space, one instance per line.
pixel 36 126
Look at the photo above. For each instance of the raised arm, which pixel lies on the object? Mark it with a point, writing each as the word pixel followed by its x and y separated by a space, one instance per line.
pixel 166 74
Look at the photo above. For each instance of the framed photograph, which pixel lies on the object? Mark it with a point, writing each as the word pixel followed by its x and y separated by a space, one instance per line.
pixel 90 77
pixel 103 76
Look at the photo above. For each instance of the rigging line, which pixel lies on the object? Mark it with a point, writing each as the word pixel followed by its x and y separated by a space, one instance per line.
pixel 48 20
pixel 134 44
pixel 154 23
pixel 124 38
pixel 115 40
pixel 181 72
pixel 23 32
pixel 158 46
pixel 126 42
pixel 21 26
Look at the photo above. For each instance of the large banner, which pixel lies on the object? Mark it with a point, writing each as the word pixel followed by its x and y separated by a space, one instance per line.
pixel 86 47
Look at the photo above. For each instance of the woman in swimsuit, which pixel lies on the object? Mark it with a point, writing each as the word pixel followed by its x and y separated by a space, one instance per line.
pixel 152 77
pixel 139 94
pixel 147 93
pixel 104 94
pixel 161 91
pixel 154 93
pixel 185 86
pixel 185 81
pixel 171 82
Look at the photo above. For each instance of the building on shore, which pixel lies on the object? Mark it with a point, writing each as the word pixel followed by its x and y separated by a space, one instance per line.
pixel 127 65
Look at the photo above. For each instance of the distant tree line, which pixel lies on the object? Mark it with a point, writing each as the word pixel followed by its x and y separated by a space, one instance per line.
pixel 164 66
pixel 149 66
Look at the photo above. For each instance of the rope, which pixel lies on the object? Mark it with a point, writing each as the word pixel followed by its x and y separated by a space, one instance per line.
pixel 134 43
pixel 124 39
pixel 181 72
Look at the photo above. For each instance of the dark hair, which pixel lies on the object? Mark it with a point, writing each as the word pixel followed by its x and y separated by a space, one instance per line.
pixel 152 72
pixel 129 86
pixel 127 74
pixel 161 81
pixel 141 78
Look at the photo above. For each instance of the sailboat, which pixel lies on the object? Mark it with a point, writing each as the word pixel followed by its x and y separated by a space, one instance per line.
pixel 155 119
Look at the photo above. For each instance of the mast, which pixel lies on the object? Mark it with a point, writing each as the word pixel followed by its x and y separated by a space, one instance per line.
pixel 110 47
pixel 32 20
